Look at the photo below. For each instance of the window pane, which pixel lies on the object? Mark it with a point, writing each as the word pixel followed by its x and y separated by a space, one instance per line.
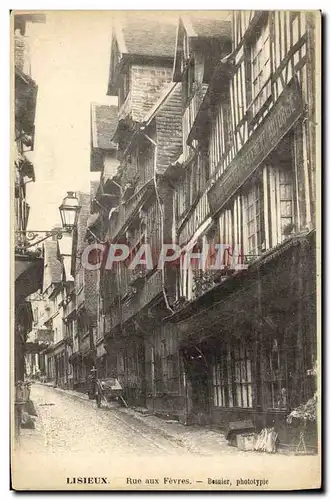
pixel 245 396
pixel 243 371
pixel 286 208
pixel 249 371
pixel 238 396
pixel 250 398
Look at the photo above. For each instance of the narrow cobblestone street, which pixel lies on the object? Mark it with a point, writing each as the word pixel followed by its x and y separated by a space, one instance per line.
pixel 74 438
pixel 66 422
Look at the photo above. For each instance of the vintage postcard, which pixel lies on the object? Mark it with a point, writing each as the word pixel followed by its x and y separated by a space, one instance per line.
pixel 166 265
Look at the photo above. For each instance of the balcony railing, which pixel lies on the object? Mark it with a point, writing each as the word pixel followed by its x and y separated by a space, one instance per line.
pixel 203 281
pixel 121 313
pixel 152 288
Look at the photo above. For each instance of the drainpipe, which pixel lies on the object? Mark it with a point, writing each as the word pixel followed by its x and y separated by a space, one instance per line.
pixel 162 219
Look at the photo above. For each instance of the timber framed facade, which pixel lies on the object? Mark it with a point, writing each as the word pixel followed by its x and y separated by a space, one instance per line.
pixel 212 347
pixel 253 357
pixel 213 141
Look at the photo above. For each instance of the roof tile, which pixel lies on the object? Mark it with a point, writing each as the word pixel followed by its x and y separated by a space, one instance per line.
pixel 149 35
pixel 205 26
pixel 169 129
pixel 103 123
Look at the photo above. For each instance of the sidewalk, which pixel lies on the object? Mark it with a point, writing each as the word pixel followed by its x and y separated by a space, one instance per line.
pixel 196 439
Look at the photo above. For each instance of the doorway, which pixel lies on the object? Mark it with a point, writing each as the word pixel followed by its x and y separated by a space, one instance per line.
pixel 197 386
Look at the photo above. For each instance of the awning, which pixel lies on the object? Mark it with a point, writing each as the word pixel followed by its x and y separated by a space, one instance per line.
pixel 28 276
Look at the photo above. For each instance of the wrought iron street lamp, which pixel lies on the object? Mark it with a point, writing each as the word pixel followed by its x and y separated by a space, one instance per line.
pixel 69 211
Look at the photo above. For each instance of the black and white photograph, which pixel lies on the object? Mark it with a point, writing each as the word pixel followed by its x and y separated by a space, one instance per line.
pixel 166 250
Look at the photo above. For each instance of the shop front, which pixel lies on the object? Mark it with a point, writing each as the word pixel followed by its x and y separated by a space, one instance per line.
pixel 251 354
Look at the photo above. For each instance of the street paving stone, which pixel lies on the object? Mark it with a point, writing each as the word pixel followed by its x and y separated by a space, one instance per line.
pixel 69 421
pixel 66 422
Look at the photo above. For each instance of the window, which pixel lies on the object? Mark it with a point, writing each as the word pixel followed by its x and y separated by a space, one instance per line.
pixel 253 215
pixel 180 197
pixel 286 202
pixel 173 373
pixel 232 377
pixel 215 140
pixel 188 175
pixel 221 133
pixel 194 181
pixel 222 384
pixel 203 168
pixel 186 282
pixel 242 377
pixel 261 68
pixel 274 378
pixel 145 163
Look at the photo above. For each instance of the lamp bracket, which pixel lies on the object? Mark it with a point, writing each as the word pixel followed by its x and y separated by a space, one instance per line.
pixel 32 238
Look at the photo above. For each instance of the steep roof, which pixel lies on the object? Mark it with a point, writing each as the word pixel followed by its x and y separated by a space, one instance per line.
pixel 169 129
pixel 210 31
pixel 205 26
pixel 146 35
pixel 103 126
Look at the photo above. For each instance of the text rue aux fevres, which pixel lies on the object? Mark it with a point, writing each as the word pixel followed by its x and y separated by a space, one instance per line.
pixel 155 481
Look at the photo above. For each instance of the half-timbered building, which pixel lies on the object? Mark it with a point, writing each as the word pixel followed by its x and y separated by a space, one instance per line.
pixel 249 331
pixel 84 315
pixel 149 139
pixel 103 159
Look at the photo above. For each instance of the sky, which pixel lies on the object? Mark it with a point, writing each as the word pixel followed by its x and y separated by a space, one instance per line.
pixel 70 63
